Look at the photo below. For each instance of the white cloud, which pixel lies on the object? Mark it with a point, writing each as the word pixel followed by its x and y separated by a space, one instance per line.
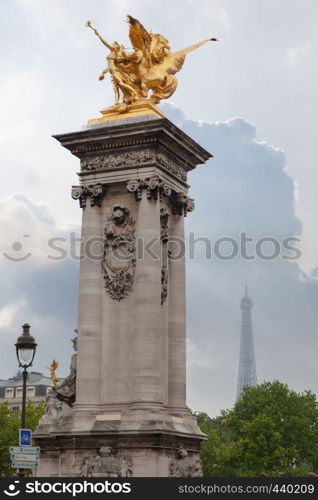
pixel 21 95
pixel 214 11
pixel 27 228
pixel 295 55
pixel 9 312
pixel 36 290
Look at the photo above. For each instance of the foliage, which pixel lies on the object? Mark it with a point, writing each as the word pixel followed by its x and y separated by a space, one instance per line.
pixel 9 431
pixel 271 431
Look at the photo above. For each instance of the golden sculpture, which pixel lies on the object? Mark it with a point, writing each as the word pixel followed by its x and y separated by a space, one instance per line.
pixel 54 378
pixel 150 67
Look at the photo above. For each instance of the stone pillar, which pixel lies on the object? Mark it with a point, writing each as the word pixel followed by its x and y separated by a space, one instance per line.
pixel 130 415
pixel 90 307
pixel 177 315
pixel 147 376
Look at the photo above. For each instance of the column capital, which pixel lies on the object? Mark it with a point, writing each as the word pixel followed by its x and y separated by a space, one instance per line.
pixel 155 187
pixel 181 203
pixel 96 192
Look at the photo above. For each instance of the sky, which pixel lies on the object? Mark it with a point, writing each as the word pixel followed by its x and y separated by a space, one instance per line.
pixel 250 99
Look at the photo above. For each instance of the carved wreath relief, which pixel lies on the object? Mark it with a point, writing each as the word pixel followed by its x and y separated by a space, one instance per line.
pixel 119 259
pixel 106 464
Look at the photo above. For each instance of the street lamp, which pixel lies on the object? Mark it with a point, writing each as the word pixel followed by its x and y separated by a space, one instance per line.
pixel 25 348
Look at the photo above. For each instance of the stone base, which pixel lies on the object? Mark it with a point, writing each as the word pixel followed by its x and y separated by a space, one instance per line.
pixel 141 107
pixel 153 455
pixel 137 442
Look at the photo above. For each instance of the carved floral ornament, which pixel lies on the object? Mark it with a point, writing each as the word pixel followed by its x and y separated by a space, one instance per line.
pixel 164 237
pixel 164 229
pixel 133 158
pixel 119 259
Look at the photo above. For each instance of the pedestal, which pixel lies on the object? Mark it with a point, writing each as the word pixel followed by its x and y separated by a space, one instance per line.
pixel 130 416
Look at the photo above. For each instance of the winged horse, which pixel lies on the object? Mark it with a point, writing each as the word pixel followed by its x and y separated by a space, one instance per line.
pixel 150 67
pixel 156 66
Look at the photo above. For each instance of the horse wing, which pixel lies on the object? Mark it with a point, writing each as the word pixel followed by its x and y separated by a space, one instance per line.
pixel 140 38
pixel 174 62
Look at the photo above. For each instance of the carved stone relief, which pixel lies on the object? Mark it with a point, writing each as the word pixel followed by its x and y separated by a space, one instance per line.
pixel 173 167
pixel 164 236
pixel 130 159
pixel 164 218
pixel 164 284
pixel 184 465
pixel 115 160
pixel 96 192
pixel 106 464
pixel 181 204
pixel 119 253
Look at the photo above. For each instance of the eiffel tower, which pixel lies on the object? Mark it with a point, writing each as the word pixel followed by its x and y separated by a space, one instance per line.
pixel 247 364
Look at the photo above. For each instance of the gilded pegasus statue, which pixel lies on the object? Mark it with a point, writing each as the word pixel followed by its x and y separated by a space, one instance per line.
pixel 151 67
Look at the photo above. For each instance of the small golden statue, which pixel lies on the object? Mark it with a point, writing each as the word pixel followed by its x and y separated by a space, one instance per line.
pixel 54 378
pixel 150 67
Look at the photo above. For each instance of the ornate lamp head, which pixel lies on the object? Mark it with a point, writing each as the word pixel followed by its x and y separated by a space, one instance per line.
pixel 25 347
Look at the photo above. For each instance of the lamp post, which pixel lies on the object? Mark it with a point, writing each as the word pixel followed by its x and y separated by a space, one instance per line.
pixel 25 348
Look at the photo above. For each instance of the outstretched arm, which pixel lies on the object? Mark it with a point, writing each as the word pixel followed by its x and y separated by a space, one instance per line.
pixel 102 39
pixel 103 73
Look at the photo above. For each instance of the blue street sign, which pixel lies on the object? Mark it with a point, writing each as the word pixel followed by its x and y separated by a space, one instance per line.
pixel 25 437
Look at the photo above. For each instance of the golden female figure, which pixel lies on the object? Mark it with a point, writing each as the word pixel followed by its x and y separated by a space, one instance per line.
pixel 120 77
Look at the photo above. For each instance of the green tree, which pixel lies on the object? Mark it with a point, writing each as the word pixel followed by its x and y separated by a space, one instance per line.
pixel 9 431
pixel 271 430
pixel 215 450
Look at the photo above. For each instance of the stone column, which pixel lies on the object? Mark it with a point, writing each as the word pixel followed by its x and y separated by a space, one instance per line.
pixel 130 415
pixel 177 315
pixel 90 310
pixel 147 376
